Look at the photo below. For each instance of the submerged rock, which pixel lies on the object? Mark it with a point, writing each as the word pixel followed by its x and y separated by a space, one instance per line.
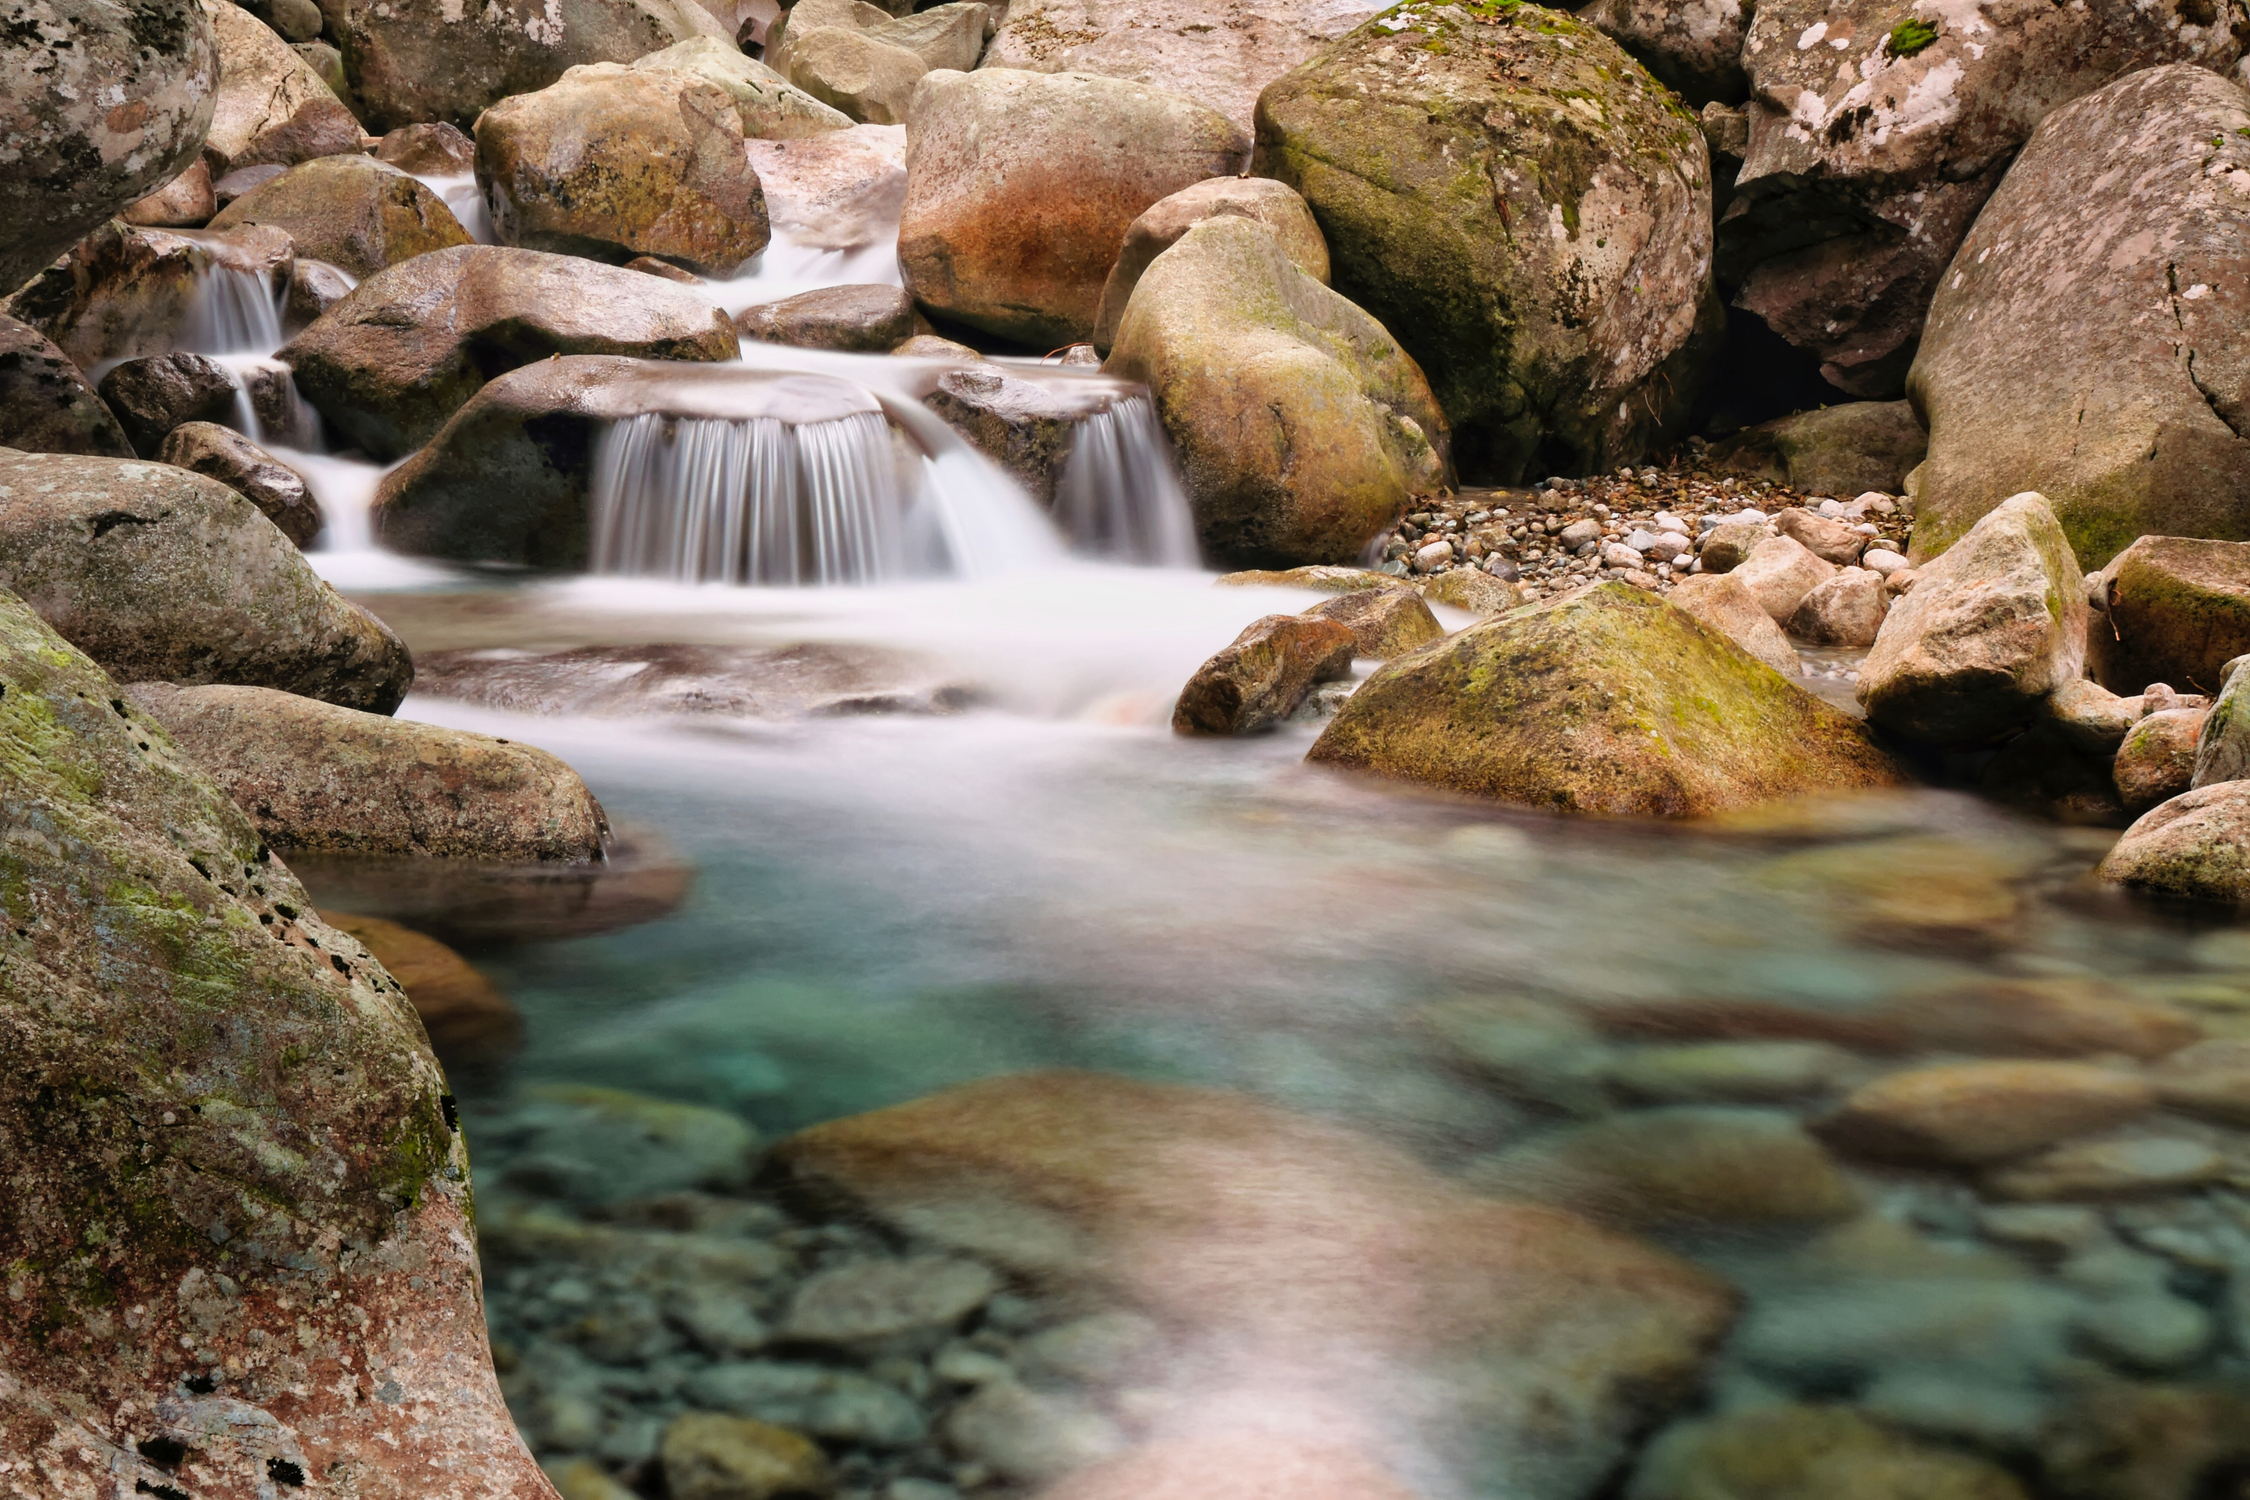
pixel 751 682
pixel 2196 846
pixel 1526 210
pixel 1160 228
pixel 1260 679
pixel 1791 1452
pixel 46 404
pixel 166 576
pixel 223 454
pixel 466 1017
pixel 99 103
pixel 1969 1114
pixel 1302 427
pixel 707 1456
pixel 2177 610
pixel 1021 186
pixel 271 108
pixel 1608 702
pixel 394 360
pixel 352 212
pixel 321 778
pixel 309 1136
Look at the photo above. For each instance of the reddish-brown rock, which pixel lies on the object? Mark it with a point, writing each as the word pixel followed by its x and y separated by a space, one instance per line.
pixel 1262 677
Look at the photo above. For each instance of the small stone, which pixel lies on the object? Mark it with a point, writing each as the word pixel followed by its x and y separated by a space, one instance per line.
pixel 853 319
pixel 242 466
pixel 829 1403
pixel 1750 1072
pixel 1808 1453
pixel 707 1456
pixel 2043 1226
pixel 2151 1332
pixel 2125 1167
pixel 2156 760
pixel 965 1364
pixel 583 1479
pixel 1780 573
pixel 1830 540
pixel 1029 1436
pixel 721 1323
pixel 1973 1113
pixel 1728 544
pixel 2210 1078
pixel 1578 533
pixel 882 1299
pixel 1432 556
pixel 1096 1350
pixel 1882 560
pixel 1844 610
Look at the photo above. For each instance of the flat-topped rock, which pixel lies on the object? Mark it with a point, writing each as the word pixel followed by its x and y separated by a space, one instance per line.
pixel 353 212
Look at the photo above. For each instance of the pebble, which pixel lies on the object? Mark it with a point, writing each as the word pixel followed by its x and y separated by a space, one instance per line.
pixel 707 1456
pixel 2210 1079
pixel 2040 1226
pixel 827 1403
pixel 1976 1113
pixel 1749 1072
pixel 1090 1350
pixel 2151 1331
pixel 882 1299
pixel 2133 1165
pixel 1030 1436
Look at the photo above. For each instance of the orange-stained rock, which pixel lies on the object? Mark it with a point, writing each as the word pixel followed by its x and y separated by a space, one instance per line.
pixel 1969 1113
pixel 465 1015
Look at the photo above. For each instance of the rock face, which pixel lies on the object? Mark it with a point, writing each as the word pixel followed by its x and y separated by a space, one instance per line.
pixel 1841 451
pixel 1302 428
pixel 271 107
pixel 46 405
pixel 770 106
pixel 315 1140
pixel 2120 230
pixel 2176 611
pixel 423 60
pixel 1261 678
pixel 1694 47
pixel 1526 210
pixel 1339 1267
pixel 1021 186
pixel 856 319
pixel 317 778
pixel 1608 702
pixel 2196 846
pixel 152 396
pixel 392 361
pixel 614 162
pixel 1224 54
pixel 223 454
pixel 1159 229
pixel 165 576
pixel 1989 630
pixel 99 103
pixel 124 291
pixel 1871 149
pixel 353 212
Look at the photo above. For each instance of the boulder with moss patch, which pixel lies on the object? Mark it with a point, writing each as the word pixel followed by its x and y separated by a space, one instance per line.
pixel 2173 610
pixel 352 212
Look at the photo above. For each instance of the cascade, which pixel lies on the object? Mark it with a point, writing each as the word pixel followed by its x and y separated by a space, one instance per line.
pixel 267 406
pixel 1120 496
pixel 232 311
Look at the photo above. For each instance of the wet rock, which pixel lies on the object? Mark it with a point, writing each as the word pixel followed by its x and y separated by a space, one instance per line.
pixel 1160 228
pixel 1027 427
pixel 46 405
pixel 141 896
pixel 271 107
pixel 751 682
pixel 465 1015
pixel 856 319
pixel 1384 622
pixel 816 1399
pixel 416 61
pixel 583 1479
pixel 1990 629
pixel 1031 1437
pixel 223 454
pixel 2117 203
pixel 1584 331
pixel 1967 1114
pixel 391 362
pixel 1845 609
pixel 930 346
pixel 314 287
pixel 707 1456
pixel 2156 762
pixel 315 776
pixel 839 190
pixel 186 202
pixel 1301 427
pixel 875 1302
pixel 1799 1452
pixel 2177 609
pixel 2211 1079
pixel 2041 1018
pixel 1730 1072
pixel 613 162
pixel 152 396
pixel 353 212
pixel 1232 1466
pixel 1829 540
pixel 2122 1167
pixel 1608 702
pixel 1022 186
pixel 2196 846
pixel 434 149
pixel 855 72
pixel 1257 681
pixel 166 576
pixel 1691 1165
pixel 1780 572
pixel 1726 604
pixel 100 104
pixel 123 292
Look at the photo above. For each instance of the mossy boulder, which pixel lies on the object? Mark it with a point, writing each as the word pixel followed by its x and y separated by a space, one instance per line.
pixel 166 576
pixel 2177 609
pixel 1159 229
pixel 1610 701
pixel 1843 450
pixel 1302 427
pixel 230 1164
pixel 353 212
pixel 1526 209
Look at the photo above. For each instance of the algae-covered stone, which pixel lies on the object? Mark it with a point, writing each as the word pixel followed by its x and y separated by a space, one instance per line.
pixel 237 1100
pixel 353 212
pixel 1302 427
pixel 771 107
pixel 1525 209
pixel 1842 451
pixel 166 576
pixel 614 162
pixel 2177 610
pixel 2196 846
pixel 1610 701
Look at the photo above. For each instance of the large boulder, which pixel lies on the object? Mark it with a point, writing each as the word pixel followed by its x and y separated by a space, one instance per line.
pixel 1610 701
pixel 125 291
pixel 100 102
pixel 1302 428
pixel 1159 229
pixel 839 190
pixel 1727 604
pixel 1694 47
pixel 1224 57
pixel 1306 1268
pixel 2195 847
pixel 1841 451
pixel 238 1100
pixel 1526 210
pixel 271 107
pixel 318 778
pixel 2121 235
pixel 770 106
pixel 413 61
pixel 1021 186
pixel 615 162
pixel 1879 127
pixel 166 576
pixel 392 361
pixel 856 72
pixel 352 212
pixel 46 404
pixel 1988 631
pixel 2173 610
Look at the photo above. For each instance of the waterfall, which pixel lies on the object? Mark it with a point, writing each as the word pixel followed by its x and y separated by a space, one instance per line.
pixel 233 311
pixel 267 406
pixel 750 500
pixel 1119 496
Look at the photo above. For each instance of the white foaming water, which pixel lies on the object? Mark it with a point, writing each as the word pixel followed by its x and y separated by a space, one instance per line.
pixel 1120 496
pixel 345 552
pixel 232 311
pixel 789 266
pixel 462 196
pixel 267 407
